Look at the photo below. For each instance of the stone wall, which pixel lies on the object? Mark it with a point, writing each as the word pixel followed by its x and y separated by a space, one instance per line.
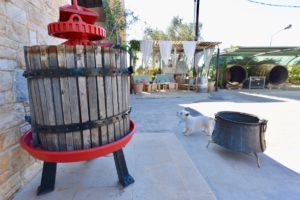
pixel 22 23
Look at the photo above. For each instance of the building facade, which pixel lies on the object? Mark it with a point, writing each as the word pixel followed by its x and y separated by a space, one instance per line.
pixel 22 23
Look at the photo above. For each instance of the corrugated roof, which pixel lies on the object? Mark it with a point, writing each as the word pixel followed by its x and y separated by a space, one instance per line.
pixel 258 51
pixel 253 55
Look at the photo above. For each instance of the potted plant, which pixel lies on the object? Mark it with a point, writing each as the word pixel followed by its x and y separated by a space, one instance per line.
pixel 138 87
pixel 211 80
pixel 211 85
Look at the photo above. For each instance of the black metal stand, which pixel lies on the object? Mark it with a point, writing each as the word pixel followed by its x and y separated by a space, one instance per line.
pixel 49 174
pixel 124 177
pixel 255 154
pixel 48 178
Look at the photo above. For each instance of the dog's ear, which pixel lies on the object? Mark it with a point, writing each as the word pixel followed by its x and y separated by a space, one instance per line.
pixel 187 114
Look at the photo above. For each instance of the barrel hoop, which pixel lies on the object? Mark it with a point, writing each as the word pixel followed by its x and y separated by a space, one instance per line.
pixel 74 72
pixel 82 126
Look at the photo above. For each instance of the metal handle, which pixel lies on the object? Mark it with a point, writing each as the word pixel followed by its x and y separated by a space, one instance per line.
pixel 263 128
pixel 264 125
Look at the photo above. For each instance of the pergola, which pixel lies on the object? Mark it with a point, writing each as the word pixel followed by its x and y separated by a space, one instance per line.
pixel 200 45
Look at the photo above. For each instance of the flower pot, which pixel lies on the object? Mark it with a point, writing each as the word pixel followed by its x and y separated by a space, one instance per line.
pixel 138 88
pixel 211 86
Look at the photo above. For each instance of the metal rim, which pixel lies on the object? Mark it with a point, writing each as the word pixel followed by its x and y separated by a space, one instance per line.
pixel 74 156
pixel 217 115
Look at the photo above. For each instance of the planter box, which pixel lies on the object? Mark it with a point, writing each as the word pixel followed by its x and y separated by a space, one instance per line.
pixel 138 88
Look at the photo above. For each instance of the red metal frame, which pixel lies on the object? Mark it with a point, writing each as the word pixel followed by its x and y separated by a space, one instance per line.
pixel 74 156
pixel 76 24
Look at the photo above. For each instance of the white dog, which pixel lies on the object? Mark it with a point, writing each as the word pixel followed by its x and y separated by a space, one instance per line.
pixel 196 123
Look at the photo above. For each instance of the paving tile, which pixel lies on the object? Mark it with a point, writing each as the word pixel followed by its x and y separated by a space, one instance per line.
pixel 159 165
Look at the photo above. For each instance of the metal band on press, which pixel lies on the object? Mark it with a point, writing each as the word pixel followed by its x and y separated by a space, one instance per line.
pixel 82 126
pixel 74 72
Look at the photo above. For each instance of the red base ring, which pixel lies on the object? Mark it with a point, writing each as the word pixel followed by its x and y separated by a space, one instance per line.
pixel 74 156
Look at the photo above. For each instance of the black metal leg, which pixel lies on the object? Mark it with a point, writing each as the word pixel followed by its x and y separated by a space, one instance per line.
pixel 48 178
pixel 124 177
pixel 257 160
pixel 209 141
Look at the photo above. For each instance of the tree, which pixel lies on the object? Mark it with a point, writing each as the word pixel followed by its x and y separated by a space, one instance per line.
pixel 177 30
pixel 117 19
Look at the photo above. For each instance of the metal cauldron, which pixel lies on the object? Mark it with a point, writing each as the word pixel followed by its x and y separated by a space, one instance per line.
pixel 240 132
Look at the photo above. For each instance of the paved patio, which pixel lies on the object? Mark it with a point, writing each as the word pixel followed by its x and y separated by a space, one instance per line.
pixel 168 165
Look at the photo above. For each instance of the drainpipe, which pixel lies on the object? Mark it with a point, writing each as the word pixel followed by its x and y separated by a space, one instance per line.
pixel 217 68
pixel 196 3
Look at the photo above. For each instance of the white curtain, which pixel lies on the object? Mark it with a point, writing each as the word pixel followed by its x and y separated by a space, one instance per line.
pixel 165 48
pixel 146 47
pixel 198 57
pixel 189 49
pixel 174 58
pixel 208 53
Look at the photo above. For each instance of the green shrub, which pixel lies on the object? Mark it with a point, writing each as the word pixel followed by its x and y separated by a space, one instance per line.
pixel 294 74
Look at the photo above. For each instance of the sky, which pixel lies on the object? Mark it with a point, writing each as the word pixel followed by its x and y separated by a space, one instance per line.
pixel 232 22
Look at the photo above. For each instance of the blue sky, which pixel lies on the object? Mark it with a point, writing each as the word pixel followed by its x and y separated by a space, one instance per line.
pixel 233 22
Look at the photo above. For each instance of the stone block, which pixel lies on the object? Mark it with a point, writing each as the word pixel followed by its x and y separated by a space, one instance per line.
pixel 8 53
pixel 17 32
pixel 21 57
pixel 30 172
pixel 4 176
pixel 21 90
pixel 19 159
pixel 37 3
pixel 9 97
pixel 43 37
pixel 2 24
pixel 34 17
pixel 2 8
pixel 16 13
pixel 32 37
pixel 9 187
pixel 4 163
pixel 10 117
pixel 8 138
pixel 7 65
pixel 2 98
pixel 6 81
pixel 5 42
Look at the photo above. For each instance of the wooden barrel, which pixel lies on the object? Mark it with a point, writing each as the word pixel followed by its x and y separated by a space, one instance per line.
pixel 275 74
pixel 79 96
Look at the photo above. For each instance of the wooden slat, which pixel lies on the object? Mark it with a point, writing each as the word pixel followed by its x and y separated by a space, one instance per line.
pixel 108 95
pixel 101 95
pixel 92 95
pixel 123 78
pixel 120 92
pixel 126 89
pixel 53 64
pixel 32 100
pixel 86 134
pixel 115 93
pixel 43 100
pixel 73 140
pixel 52 140
pixel 63 106
pixel 36 97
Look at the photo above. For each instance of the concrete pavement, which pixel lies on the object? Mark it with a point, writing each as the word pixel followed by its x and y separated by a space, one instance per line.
pixel 168 165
